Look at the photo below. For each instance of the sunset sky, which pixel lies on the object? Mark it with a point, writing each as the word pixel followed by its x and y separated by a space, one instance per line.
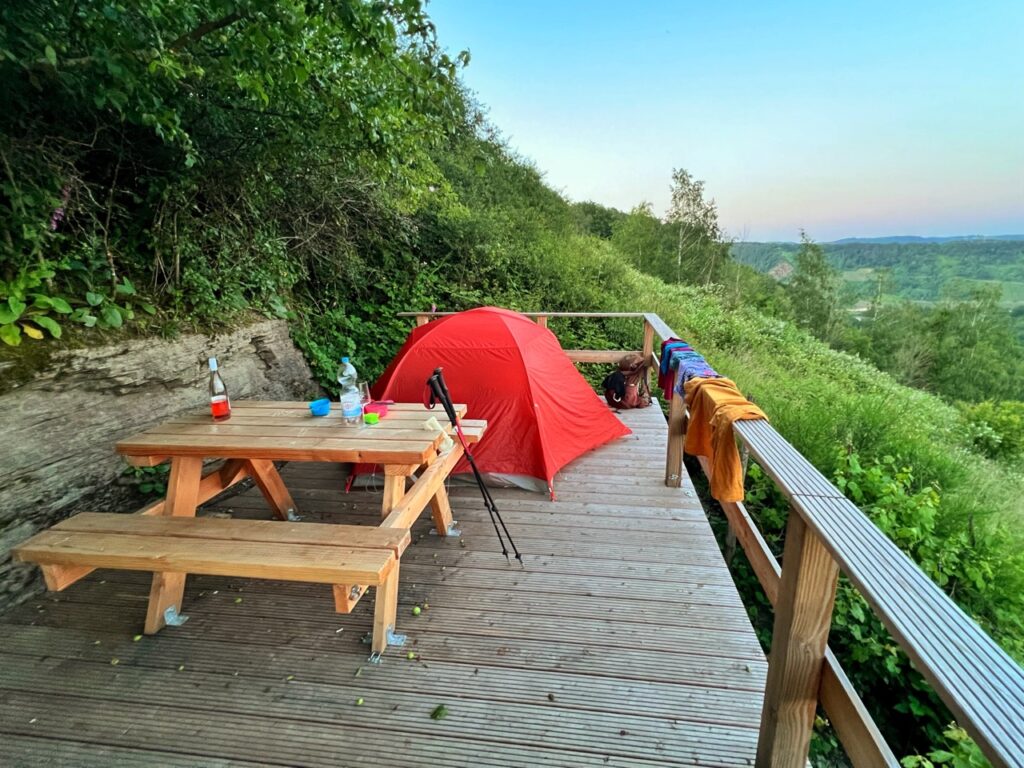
pixel 845 119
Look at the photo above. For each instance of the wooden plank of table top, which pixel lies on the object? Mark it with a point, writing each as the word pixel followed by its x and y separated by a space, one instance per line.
pixel 288 562
pixel 271 531
pixel 306 430
pixel 460 408
pixel 288 414
pixel 356 450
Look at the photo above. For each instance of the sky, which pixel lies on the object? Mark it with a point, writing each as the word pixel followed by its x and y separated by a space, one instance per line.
pixel 840 118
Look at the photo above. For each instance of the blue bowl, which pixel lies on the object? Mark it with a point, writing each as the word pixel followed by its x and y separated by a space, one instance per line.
pixel 321 407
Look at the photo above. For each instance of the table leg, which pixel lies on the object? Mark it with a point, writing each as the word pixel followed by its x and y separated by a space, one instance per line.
pixel 394 490
pixel 269 481
pixel 166 592
pixel 183 486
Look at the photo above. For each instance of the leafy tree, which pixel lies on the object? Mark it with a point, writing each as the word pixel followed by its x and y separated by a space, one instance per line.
pixel 596 219
pixel 699 246
pixel 814 290
pixel 643 239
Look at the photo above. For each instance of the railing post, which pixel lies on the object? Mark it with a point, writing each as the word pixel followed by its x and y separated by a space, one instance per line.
pixel 542 321
pixel 803 615
pixel 422 320
pixel 676 435
pixel 648 348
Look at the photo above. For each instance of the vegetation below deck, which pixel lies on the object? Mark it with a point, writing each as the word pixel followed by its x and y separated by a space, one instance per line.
pixel 167 165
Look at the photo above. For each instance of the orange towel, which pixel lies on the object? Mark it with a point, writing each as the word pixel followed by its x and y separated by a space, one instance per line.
pixel 714 405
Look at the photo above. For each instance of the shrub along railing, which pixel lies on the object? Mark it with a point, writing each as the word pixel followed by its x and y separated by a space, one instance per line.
pixel 826 534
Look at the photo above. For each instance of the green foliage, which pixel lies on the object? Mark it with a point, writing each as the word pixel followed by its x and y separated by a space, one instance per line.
pixel 223 154
pixel 996 429
pixel 960 752
pixel 955 338
pixel 814 291
pixel 149 481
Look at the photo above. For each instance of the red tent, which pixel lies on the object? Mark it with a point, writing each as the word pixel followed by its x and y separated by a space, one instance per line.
pixel 541 413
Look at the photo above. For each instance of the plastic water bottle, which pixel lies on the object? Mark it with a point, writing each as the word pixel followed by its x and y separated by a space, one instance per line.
pixel 351 402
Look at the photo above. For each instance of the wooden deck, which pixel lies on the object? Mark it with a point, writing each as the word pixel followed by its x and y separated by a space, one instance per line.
pixel 622 642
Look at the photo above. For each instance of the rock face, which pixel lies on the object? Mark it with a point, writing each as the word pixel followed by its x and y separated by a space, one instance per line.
pixel 59 428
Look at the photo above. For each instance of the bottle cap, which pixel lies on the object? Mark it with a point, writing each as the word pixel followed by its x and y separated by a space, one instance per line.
pixel 344 359
pixel 213 363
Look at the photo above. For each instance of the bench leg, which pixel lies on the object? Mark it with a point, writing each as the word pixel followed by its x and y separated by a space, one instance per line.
pixel 384 613
pixel 269 481
pixel 166 592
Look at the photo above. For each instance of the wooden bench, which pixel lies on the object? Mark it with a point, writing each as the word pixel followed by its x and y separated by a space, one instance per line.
pixel 173 547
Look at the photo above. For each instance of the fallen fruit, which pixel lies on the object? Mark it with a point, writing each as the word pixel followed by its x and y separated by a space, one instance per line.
pixel 410 655
pixel 359 702
pixel 416 610
pixel 136 638
pixel 238 600
pixel 440 712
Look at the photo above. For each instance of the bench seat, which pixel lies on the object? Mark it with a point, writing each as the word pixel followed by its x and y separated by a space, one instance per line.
pixel 172 547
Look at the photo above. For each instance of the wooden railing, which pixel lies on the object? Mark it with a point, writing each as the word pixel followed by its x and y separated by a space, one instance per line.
pixel 826 534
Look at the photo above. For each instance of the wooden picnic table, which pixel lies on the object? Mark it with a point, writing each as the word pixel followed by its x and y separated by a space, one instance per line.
pixel 258 434
pixel 262 432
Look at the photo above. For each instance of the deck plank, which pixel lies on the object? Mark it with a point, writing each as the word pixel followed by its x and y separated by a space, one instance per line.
pixel 621 642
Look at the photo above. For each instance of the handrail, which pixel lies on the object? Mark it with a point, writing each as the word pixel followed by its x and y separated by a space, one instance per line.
pixel 978 681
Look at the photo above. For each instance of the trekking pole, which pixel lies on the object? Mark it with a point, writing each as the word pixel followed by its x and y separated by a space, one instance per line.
pixel 439 393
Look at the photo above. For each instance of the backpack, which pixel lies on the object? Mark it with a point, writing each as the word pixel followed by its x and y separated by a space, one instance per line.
pixel 627 387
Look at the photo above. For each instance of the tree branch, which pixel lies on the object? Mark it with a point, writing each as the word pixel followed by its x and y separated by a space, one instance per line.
pixel 203 30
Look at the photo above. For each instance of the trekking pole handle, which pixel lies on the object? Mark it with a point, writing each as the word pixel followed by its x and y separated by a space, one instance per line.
pixel 440 392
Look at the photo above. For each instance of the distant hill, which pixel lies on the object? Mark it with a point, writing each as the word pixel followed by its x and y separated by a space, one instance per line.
pixel 918 239
pixel 922 269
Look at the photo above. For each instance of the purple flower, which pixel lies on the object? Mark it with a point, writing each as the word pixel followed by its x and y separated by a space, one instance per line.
pixel 58 214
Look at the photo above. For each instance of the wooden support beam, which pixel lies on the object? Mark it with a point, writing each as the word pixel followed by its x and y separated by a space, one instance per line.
pixel 269 481
pixel 57 577
pixel 404 514
pixel 598 355
pixel 213 483
pixel 183 486
pixel 440 507
pixel 648 348
pixel 803 615
pixel 347 596
pixel 422 320
pixel 542 321
pixel 676 434
pixel 394 490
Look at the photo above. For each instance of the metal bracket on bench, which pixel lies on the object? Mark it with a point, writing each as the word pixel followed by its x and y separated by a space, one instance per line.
pixel 172 618
pixel 291 516
pixel 453 530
